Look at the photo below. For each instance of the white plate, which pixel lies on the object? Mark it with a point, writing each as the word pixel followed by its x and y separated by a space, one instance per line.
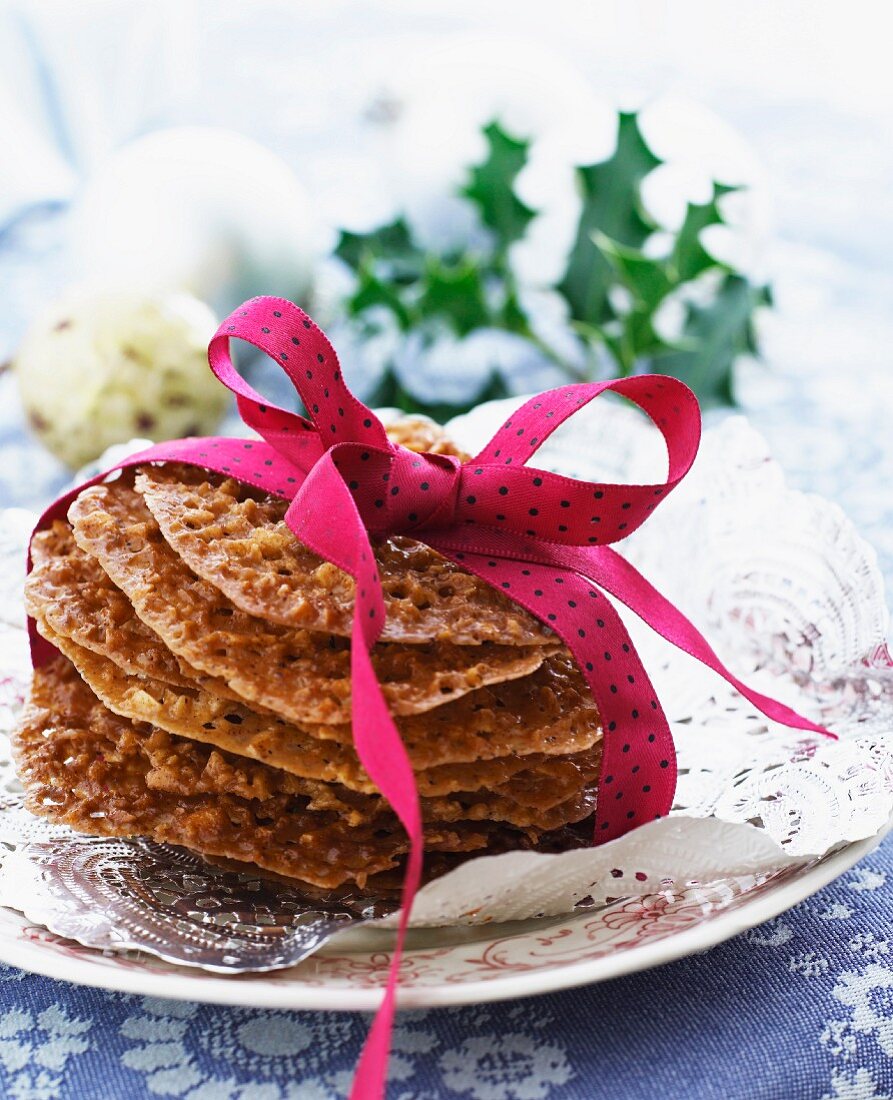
pixel 458 966
pixel 800 615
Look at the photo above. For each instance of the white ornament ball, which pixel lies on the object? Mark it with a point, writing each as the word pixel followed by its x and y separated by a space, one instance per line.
pixel 198 209
pixel 101 367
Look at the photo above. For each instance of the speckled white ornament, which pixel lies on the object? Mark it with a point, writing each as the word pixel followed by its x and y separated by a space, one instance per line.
pixel 100 367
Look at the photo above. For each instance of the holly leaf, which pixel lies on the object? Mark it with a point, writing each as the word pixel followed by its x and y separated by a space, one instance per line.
pixel 455 291
pixel 715 335
pixel 647 279
pixel 390 249
pixel 611 206
pixel 492 183
pixel 372 291
pixel 391 393
pixel 689 258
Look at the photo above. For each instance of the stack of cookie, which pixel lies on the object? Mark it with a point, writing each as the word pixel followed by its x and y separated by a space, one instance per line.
pixel 202 692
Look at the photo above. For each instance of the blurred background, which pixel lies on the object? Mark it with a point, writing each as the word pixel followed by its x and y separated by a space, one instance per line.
pixel 474 200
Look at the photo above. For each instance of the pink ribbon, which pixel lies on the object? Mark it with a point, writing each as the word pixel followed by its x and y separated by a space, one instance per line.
pixel 542 539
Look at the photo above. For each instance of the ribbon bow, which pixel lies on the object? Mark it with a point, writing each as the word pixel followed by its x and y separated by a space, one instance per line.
pixel 542 539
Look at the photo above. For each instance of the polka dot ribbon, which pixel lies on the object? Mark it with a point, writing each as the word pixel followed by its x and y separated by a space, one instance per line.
pixel 542 539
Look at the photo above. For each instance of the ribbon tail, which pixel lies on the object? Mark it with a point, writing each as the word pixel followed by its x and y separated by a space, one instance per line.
pixel 388 764
pixel 324 516
pixel 615 574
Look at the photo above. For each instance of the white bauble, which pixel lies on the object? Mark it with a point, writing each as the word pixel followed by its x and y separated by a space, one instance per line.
pixel 100 367
pixel 198 209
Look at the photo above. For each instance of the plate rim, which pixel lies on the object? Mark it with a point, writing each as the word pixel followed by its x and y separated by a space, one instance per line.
pixel 245 992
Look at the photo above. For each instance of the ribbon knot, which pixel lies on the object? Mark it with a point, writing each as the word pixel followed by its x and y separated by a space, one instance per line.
pixel 396 491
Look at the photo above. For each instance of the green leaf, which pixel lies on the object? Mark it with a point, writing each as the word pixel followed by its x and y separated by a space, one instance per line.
pixel 390 246
pixel 372 291
pixel 491 187
pixel 455 291
pixel 390 392
pixel 689 257
pixel 716 334
pixel 647 279
pixel 611 206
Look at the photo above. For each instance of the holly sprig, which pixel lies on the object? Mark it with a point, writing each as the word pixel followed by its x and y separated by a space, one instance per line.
pixel 615 283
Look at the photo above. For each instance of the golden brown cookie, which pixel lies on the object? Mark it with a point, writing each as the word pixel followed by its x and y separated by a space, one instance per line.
pixel 83 776
pixel 299 674
pixel 240 543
